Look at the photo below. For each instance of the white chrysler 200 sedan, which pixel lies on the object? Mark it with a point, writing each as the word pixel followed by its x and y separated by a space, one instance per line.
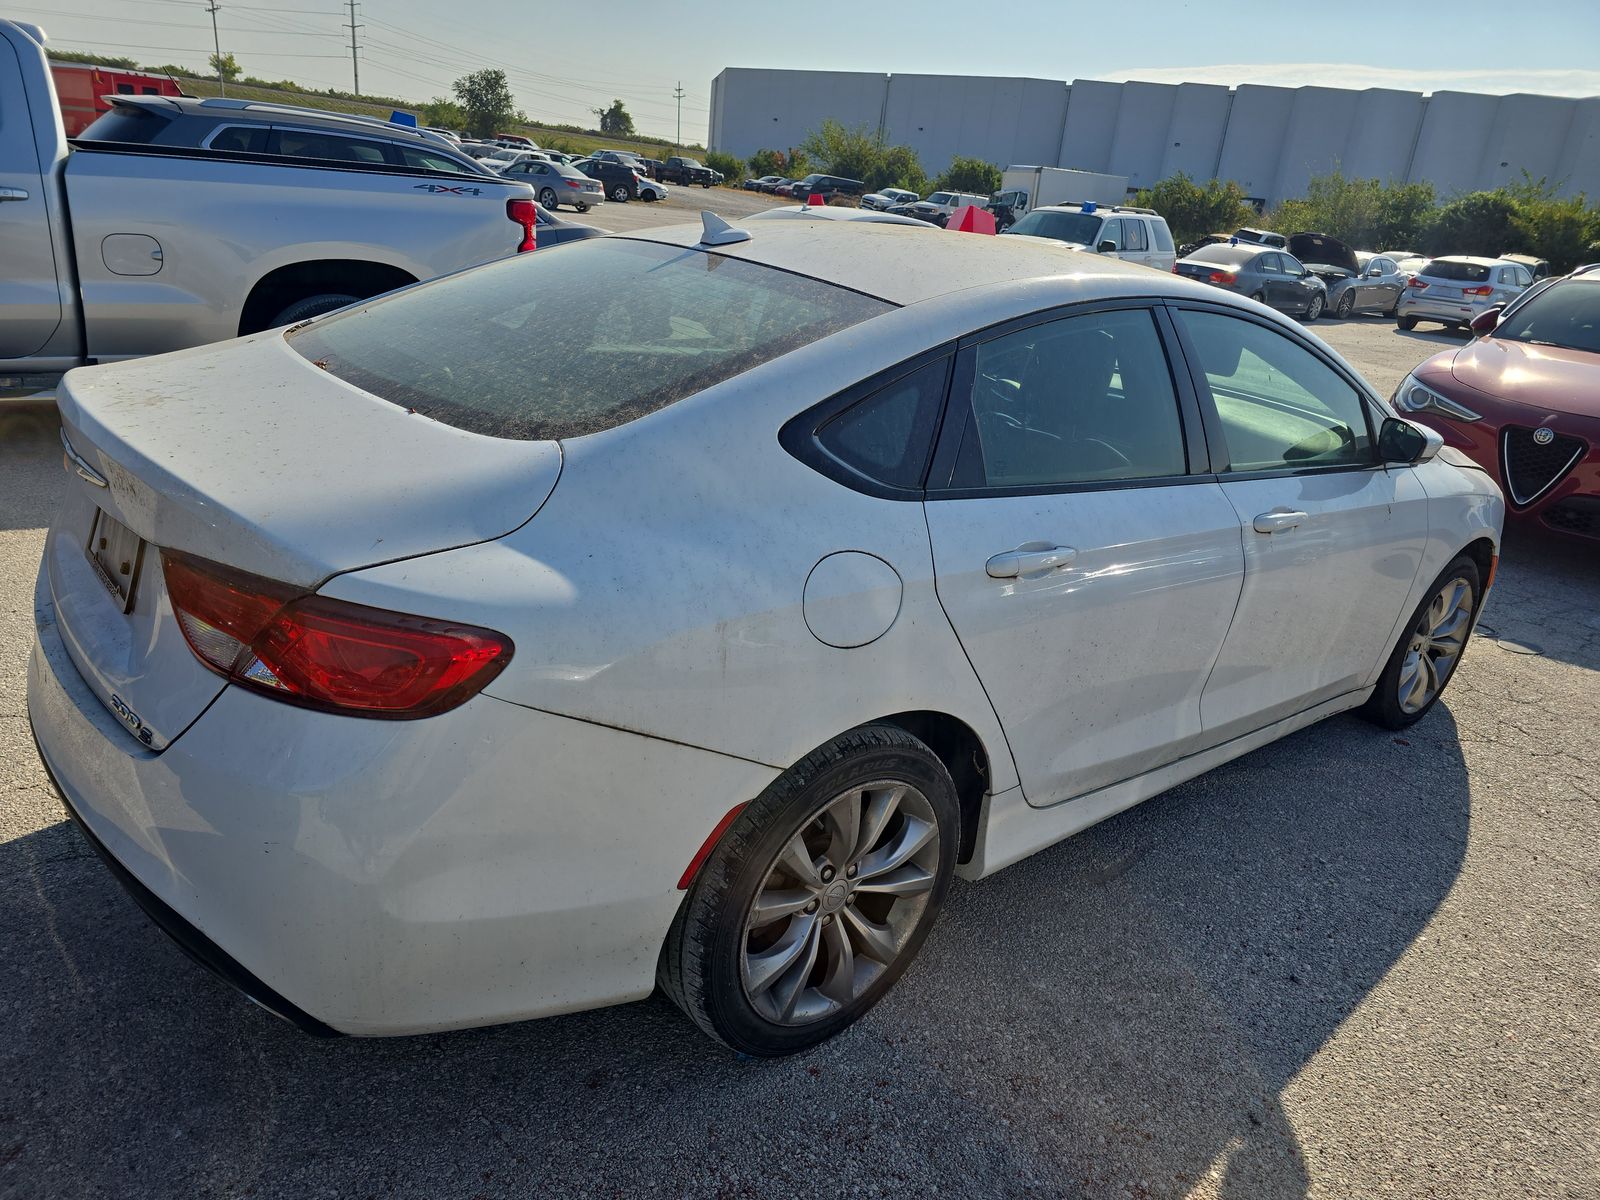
pixel 689 608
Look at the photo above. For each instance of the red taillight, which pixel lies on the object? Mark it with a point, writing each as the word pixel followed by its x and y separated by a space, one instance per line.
pixel 526 214
pixel 324 653
pixel 1223 277
pixel 1416 283
pixel 573 183
pixel 1485 290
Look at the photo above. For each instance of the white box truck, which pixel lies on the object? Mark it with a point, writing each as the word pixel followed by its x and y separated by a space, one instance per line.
pixel 1023 189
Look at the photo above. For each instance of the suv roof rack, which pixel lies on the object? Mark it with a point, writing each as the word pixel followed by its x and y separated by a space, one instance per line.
pixel 296 110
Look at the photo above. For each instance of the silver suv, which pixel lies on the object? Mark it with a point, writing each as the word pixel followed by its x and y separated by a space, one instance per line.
pixel 1453 290
pixel 1138 235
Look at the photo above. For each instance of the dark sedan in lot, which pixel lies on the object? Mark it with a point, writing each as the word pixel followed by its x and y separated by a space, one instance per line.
pixel 1274 277
pixel 1523 400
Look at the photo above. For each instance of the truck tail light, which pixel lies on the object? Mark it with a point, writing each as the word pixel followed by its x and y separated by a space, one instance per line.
pixel 1222 277
pixel 526 214
pixel 327 654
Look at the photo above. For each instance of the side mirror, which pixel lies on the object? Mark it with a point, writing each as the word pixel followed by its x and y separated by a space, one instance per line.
pixel 1405 444
pixel 1486 321
pixel 1107 247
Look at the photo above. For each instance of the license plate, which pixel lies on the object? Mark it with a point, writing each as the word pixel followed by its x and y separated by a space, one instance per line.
pixel 116 553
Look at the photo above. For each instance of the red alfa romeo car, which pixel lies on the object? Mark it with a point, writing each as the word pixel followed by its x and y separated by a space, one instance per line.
pixel 1523 400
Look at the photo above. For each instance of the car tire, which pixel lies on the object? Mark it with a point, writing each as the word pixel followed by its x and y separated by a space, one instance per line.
pixel 1314 307
pixel 547 197
pixel 311 306
pixel 583 208
pixel 829 954
pixel 1437 633
pixel 1347 305
pixel 1259 297
pixel 619 194
pixel 1406 323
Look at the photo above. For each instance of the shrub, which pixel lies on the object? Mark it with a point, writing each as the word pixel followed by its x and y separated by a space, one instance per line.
pixel 730 166
pixel 968 175
pixel 1478 223
pixel 1192 210
pixel 855 154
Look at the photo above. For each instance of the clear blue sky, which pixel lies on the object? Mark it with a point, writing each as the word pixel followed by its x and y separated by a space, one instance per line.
pixel 565 58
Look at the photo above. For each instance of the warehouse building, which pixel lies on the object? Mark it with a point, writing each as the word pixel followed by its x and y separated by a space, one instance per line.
pixel 1271 140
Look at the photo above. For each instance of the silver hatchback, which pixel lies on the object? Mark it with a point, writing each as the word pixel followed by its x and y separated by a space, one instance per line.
pixel 1455 289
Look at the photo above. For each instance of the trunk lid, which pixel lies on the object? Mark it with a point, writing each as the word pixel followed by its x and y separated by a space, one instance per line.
pixel 1321 250
pixel 251 456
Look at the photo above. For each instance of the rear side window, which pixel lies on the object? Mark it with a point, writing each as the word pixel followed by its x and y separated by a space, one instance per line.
pixel 550 346
pixel 1282 408
pixel 1081 400
pixel 298 144
pixel 1461 271
pixel 248 139
pixel 428 161
pixel 888 436
pixel 126 123
pixel 1133 233
pixel 1162 236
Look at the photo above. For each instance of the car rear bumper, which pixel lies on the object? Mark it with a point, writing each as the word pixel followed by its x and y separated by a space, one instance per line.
pixel 1433 308
pixel 371 877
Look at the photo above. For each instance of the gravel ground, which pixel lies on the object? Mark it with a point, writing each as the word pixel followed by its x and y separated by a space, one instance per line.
pixel 1350 965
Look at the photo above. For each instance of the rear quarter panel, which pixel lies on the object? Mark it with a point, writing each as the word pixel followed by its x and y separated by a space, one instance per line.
pixel 223 224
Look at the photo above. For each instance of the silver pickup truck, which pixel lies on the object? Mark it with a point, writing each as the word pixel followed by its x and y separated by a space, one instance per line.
pixel 113 250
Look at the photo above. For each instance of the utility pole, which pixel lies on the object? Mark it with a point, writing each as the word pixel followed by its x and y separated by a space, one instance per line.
pixel 216 42
pixel 355 64
pixel 678 96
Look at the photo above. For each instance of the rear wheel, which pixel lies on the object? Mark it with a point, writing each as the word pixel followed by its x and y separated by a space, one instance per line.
pixel 1347 304
pixel 620 194
pixel 1259 297
pixel 547 197
pixel 583 208
pixel 311 306
pixel 818 897
pixel 1406 323
pixel 1429 649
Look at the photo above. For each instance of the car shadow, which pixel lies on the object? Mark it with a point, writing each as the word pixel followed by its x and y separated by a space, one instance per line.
pixel 1436 336
pixel 1118 1015
pixel 1546 598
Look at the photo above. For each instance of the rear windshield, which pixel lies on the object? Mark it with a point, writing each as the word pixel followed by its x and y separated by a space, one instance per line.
pixel 1442 268
pixel 125 123
pixel 1221 252
pixel 1063 226
pixel 569 341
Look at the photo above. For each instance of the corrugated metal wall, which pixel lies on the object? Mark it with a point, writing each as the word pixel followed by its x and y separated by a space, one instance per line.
pixel 1270 139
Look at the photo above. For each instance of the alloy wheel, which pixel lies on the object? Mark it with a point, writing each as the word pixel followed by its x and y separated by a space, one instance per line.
pixel 1437 641
pixel 1347 303
pixel 839 903
pixel 1314 309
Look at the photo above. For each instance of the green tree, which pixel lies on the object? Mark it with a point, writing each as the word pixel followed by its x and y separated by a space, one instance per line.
pixel 842 150
pixel 1404 212
pixel 766 162
pixel 1192 210
pixel 443 113
pixel 1477 223
pixel 225 66
pixel 726 163
pixel 902 169
pixel 614 120
pixel 969 175
pixel 485 97
pixel 1552 227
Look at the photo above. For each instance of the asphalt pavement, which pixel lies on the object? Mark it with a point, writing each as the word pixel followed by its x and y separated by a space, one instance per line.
pixel 1352 964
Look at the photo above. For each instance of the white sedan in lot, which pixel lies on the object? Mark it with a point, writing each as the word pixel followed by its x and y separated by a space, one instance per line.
pixel 692 606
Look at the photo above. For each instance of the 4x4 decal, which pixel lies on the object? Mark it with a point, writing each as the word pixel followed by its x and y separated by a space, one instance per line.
pixel 458 190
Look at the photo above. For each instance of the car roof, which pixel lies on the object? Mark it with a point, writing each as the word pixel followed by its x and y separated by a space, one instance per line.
pixel 1227 252
pixel 1471 259
pixel 229 110
pixel 906 265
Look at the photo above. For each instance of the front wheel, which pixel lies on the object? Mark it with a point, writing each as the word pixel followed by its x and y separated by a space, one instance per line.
pixel 1347 304
pixel 1314 308
pixel 1429 650
pixel 818 896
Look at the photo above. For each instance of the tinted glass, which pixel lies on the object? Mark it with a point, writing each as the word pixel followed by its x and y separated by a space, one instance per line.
pixel 889 435
pixel 1112 233
pixel 243 138
pixel 559 345
pixel 1082 228
pixel 129 124
pixel 1566 315
pixel 429 161
pixel 1133 235
pixel 329 146
pixel 1221 252
pixel 1269 264
pixel 1082 400
pixel 1465 272
pixel 1291 265
pixel 1162 236
pixel 1280 405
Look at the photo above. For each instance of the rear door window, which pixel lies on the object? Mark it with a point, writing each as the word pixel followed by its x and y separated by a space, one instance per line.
pixel 246 139
pixel 1162 236
pixel 308 144
pixel 1133 231
pixel 1081 400
pixel 428 161
pixel 550 346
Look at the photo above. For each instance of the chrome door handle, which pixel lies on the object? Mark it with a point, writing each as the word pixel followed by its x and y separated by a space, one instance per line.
pixel 1278 520
pixel 1025 561
pixel 11 193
